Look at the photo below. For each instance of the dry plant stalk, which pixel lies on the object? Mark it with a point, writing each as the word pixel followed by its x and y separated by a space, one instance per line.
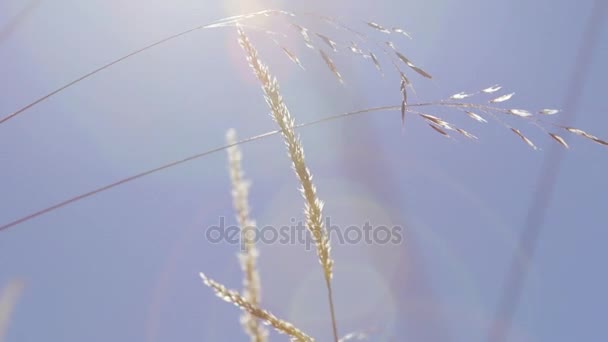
pixel 248 257
pixel 235 298
pixel 313 206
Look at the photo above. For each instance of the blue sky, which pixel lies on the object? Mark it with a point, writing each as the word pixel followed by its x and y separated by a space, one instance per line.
pixel 123 265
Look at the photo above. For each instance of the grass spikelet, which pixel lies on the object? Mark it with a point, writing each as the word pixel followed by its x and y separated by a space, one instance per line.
pixel 404 78
pixel 328 41
pixel 435 120
pixel 460 96
pixel 403 100
pixel 331 65
pixel 401 56
pixel 579 132
pixel 376 62
pixel 402 31
pixel 412 65
pixel 475 117
pixel 466 134
pixel 314 206
pixel 600 141
pixel 548 111
pixel 293 57
pixel 559 139
pixel 492 89
pixel 247 258
pixel 502 98
pixel 304 33
pixel 439 130
pixel 520 112
pixel 586 135
pixel 378 27
pixel 403 110
pixel 523 137
pixel 235 298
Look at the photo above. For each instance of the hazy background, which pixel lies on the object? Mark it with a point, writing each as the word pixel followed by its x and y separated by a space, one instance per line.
pixel 122 266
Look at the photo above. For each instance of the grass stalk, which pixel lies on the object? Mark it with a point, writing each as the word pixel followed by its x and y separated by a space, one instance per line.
pixel 235 298
pixel 313 206
pixel 248 256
